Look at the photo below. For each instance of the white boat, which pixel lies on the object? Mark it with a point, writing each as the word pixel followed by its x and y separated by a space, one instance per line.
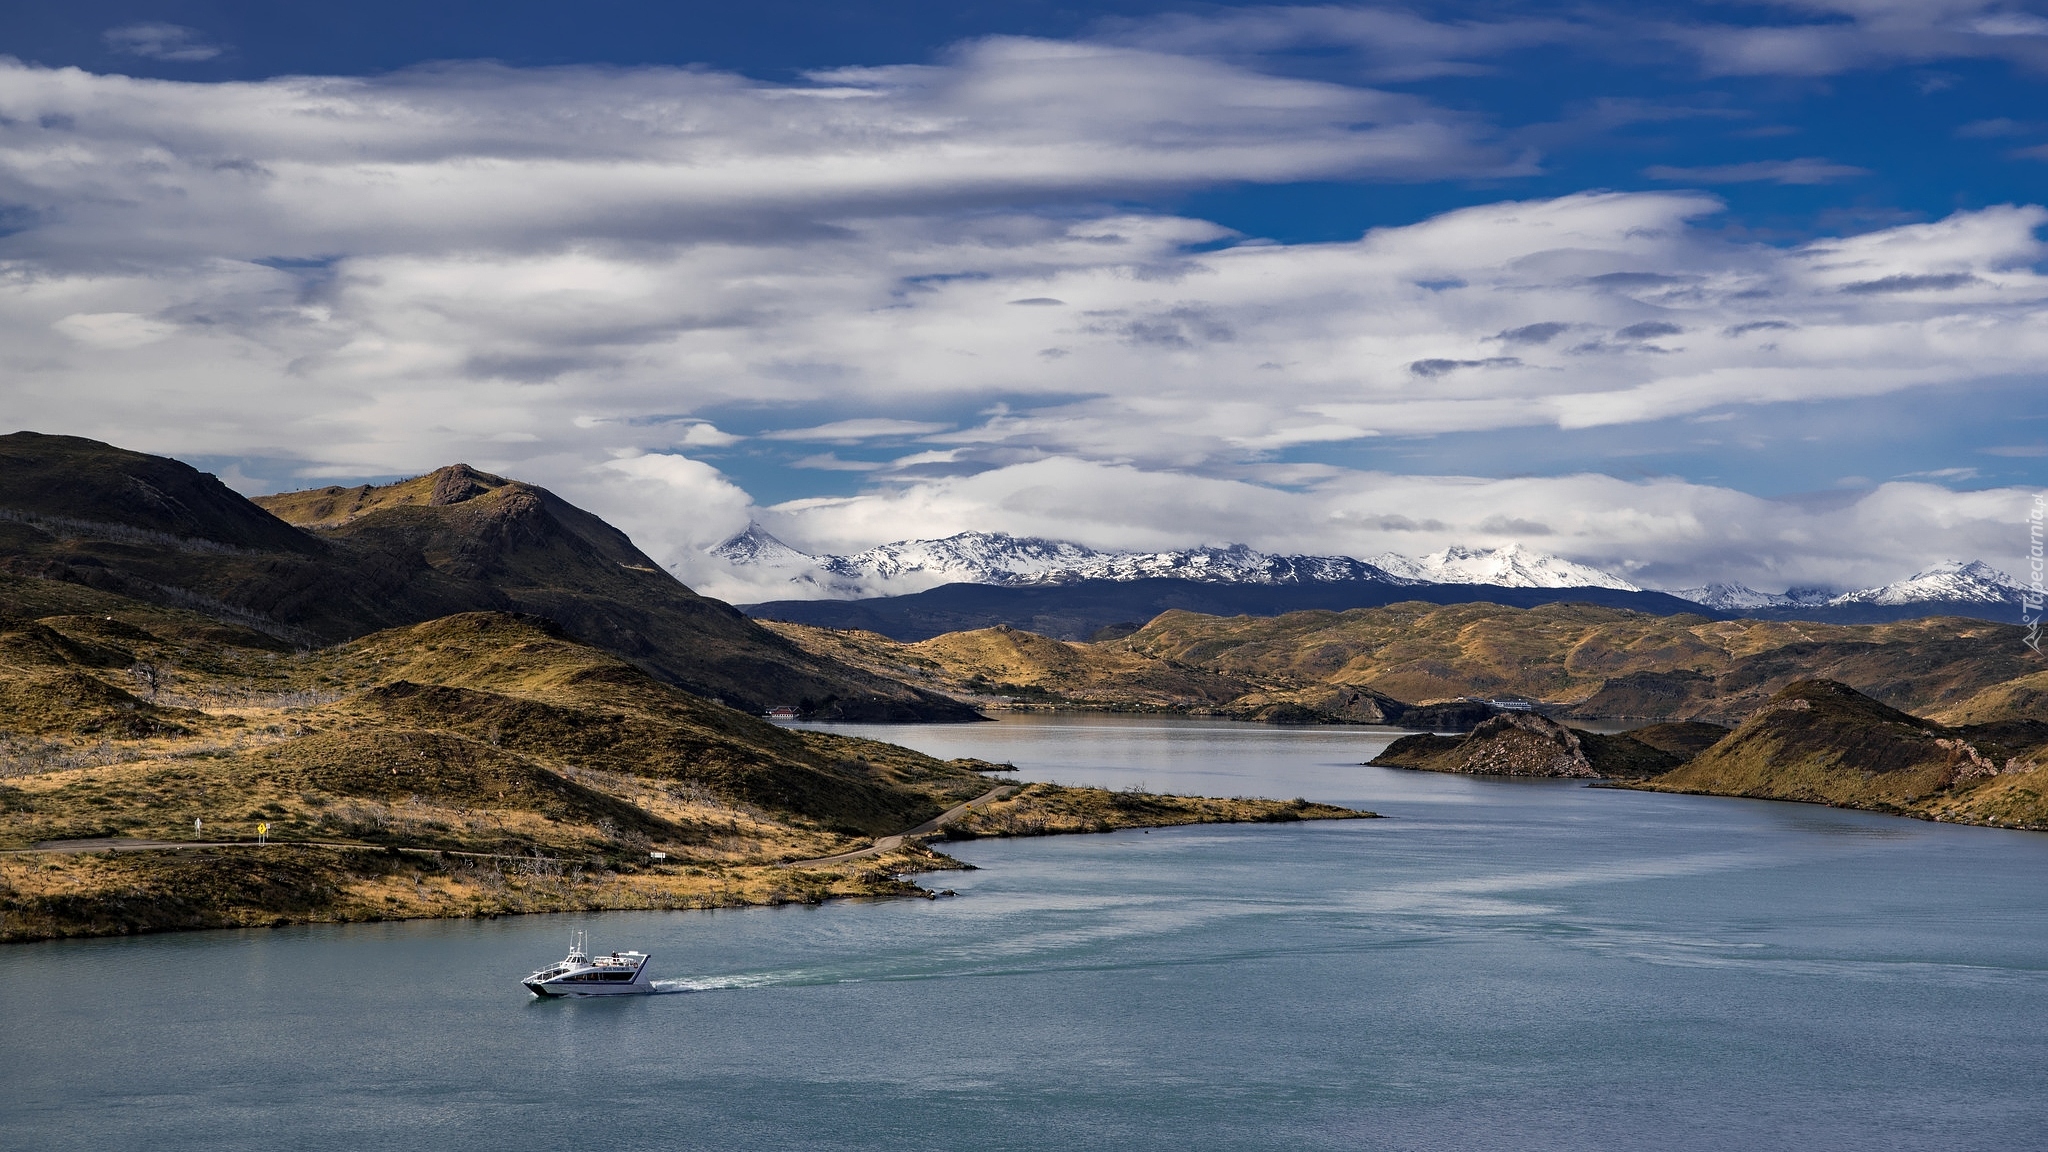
pixel 580 974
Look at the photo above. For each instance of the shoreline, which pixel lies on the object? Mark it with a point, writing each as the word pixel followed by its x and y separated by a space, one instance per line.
pixel 88 890
pixel 1959 820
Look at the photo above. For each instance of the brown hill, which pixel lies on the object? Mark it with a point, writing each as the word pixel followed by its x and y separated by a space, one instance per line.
pixel 1433 666
pixel 79 512
pixel 1824 742
pixel 1009 662
pixel 2023 698
pixel 1605 662
pixel 479 762
pixel 459 537
pixel 988 664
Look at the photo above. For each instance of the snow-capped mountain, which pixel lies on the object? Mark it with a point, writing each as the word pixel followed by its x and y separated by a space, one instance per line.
pixel 1014 561
pixel 969 558
pixel 1743 598
pixel 1949 582
pixel 1511 566
pixel 755 547
pixel 774 570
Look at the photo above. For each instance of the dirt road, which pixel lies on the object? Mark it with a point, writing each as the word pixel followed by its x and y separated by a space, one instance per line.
pixel 891 843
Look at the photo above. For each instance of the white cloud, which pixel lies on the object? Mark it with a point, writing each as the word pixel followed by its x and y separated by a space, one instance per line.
pixel 1582 312
pixel 1664 533
pixel 672 506
pixel 453 158
pixel 564 274
pixel 1855 34
pixel 113 329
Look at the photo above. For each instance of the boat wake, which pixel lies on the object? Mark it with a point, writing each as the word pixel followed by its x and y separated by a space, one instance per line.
pixel 716 983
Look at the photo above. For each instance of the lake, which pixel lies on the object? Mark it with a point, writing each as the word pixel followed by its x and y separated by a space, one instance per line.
pixel 1497 965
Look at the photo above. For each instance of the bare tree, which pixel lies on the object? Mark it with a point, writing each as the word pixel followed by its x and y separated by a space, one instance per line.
pixel 150 675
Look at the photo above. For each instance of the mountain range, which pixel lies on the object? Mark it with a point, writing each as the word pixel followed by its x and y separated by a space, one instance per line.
pixel 907 572
pixel 1949 582
pixel 1005 561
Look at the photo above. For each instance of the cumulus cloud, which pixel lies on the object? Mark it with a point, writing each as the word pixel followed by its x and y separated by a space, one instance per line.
pixel 672 506
pixel 1662 533
pixel 573 275
pixel 477 155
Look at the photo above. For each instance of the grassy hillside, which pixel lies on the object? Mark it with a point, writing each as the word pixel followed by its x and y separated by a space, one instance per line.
pixel 1004 661
pixel 1824 742
pixel 1414 664
pixel 1606 662
pixel 462 537
pixel 1010 667
pixel 477 763
pixel 83 513
pixel 2023 698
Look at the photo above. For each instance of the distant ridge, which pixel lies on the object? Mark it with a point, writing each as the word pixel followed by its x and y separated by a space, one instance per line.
pixel 1952 587
pixel 1005 561
pixel 1085 609
pixel 908 569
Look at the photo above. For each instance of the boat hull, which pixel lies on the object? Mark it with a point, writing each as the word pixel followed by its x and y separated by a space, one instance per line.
pixel 554 989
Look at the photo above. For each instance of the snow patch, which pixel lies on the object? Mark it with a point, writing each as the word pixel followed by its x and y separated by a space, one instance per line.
pixel 1014 561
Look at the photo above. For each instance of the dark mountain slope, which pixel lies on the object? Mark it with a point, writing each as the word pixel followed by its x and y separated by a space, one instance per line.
pixel 80 512
pixel 95 485
pixel 459 537
pixel 1078 611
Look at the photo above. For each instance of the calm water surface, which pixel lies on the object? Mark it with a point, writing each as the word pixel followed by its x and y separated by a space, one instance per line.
pixel 1511 965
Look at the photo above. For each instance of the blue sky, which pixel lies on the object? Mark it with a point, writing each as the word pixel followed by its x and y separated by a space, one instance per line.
pixel 1694 291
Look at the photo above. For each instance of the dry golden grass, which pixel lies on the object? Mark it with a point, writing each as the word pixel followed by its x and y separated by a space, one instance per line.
pixel 1823 743
pixel 1054 809
pixel 476 764
pixel 987 663
pixel 99 894
pixel 1362 665
pixel 1566 653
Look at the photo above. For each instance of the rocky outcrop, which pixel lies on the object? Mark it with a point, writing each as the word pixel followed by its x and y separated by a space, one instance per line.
pixel 1530 744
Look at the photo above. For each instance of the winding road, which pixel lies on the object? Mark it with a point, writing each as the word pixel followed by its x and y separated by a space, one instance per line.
pixel 891 843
